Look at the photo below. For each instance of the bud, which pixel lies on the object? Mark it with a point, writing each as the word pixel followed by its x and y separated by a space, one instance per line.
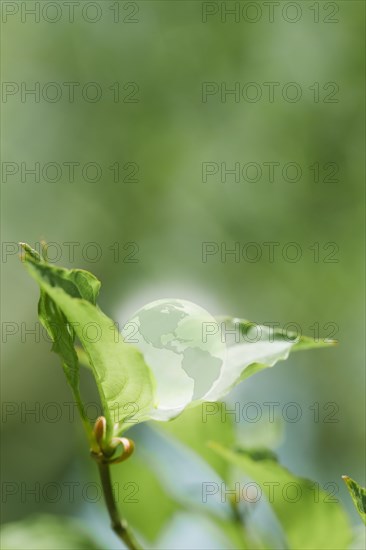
pixel 128 448
pixel 99 434
pixel 100 428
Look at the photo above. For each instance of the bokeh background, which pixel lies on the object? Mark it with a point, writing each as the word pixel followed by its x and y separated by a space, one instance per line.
pixel 167 210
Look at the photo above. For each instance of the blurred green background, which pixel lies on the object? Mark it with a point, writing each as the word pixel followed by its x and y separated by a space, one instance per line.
pixel 169 132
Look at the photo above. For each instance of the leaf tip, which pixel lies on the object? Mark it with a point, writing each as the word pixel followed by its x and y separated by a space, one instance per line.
pixel 331 342
pixel 27 252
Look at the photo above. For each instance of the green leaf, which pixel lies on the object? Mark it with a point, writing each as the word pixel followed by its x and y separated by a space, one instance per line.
pixel 62 337
pixel 46 532
pixel 77 283
pixel 194 427
pixel 358 495
pixel 124 381
pixel 142 498
pixel 253 348
pixel 309 517
pixel 127 386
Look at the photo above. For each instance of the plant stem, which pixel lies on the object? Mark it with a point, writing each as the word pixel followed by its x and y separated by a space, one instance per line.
pixel 119 525
pixel 238 521
pixel 84 418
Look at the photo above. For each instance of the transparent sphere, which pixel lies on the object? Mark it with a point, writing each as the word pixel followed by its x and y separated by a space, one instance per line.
pixel 183 346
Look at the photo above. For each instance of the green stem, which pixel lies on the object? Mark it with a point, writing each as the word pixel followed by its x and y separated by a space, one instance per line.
pixel 119 525
pixel 84 418
pixel 238 521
